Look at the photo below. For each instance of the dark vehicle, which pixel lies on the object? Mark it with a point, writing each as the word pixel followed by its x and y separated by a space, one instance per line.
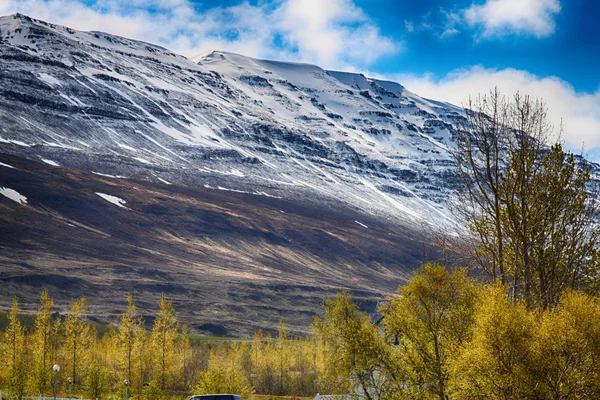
pixel 216 397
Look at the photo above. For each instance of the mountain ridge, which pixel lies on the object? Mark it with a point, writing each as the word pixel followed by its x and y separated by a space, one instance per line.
pixel 317 114
pixel 278 183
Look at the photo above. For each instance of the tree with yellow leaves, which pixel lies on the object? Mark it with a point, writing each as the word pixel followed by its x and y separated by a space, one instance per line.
pixel 96 381
pixel 77 339
pixel 42 340
pixel 184 353
pixel 495 363
pixel 164 334
pixel 432 317
pixel 350 346
pixel 302 373
pixel 264 371
pixel 15 354
pixel 566 349
pixel 128 329
pixel 142 360
pixel 224 373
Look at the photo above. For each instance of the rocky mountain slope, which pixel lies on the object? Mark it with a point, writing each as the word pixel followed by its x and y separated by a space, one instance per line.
pixel 245 189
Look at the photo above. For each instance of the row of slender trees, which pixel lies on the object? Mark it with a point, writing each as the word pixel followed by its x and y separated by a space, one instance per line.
pixel 94 364
pixel 445 336
pixel 159 362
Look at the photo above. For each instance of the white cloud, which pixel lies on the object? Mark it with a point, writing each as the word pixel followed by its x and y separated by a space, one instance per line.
pixel 501 17
pixel 332 33
pixel 445 28
pixel 324 30
pixel 449 33
pixel 578 112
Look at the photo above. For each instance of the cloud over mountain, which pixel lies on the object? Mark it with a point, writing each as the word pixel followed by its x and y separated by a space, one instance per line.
pixel 333 33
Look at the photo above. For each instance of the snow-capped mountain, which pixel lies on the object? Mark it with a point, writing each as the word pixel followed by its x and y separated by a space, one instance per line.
pixel 124 166
pixel 126 108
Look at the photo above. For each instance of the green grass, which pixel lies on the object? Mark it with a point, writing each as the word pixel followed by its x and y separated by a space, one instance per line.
pixel 201 338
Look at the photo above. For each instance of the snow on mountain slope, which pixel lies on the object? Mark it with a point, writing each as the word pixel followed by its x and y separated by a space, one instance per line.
pixel 117 106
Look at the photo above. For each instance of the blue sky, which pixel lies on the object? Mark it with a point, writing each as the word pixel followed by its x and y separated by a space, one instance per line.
pixel 571 51
pixel 443 49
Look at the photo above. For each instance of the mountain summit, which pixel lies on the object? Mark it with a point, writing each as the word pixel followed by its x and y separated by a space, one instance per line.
pixel 268 178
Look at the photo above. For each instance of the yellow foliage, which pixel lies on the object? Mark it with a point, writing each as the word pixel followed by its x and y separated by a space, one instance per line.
pixel 42 341
pixel 567 350
pixel 164 334
pixel 431 317
pixel 15 356
pixel 224 374
pixel 494 364
pixel 77 340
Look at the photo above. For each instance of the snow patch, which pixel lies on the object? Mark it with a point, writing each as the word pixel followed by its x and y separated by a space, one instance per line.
pixel 124 146
pixel 233 172
pixel 6 165
pixel 50 80
pixel 241 191
pixel 142 160
pixel 13 195
pixel 117 201
pixel 17 142
pixel 50 162
pixel 62 146
pixel 109 176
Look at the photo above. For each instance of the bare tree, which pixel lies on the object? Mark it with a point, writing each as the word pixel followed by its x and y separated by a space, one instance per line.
pixel 526 204
pixel 482 141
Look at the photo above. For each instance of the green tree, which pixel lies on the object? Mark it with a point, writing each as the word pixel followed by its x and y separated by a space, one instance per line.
pixel 142 360
pixel 130 324
pixel 565 247
pixel 184 351
pixel 283 359
pixel 97 373
pixel 526 204
pixel 264 369
pixel 349 344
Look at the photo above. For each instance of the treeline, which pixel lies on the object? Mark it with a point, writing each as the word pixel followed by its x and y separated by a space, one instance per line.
pixel 96 364
pixel 158 363
pixel 444 336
